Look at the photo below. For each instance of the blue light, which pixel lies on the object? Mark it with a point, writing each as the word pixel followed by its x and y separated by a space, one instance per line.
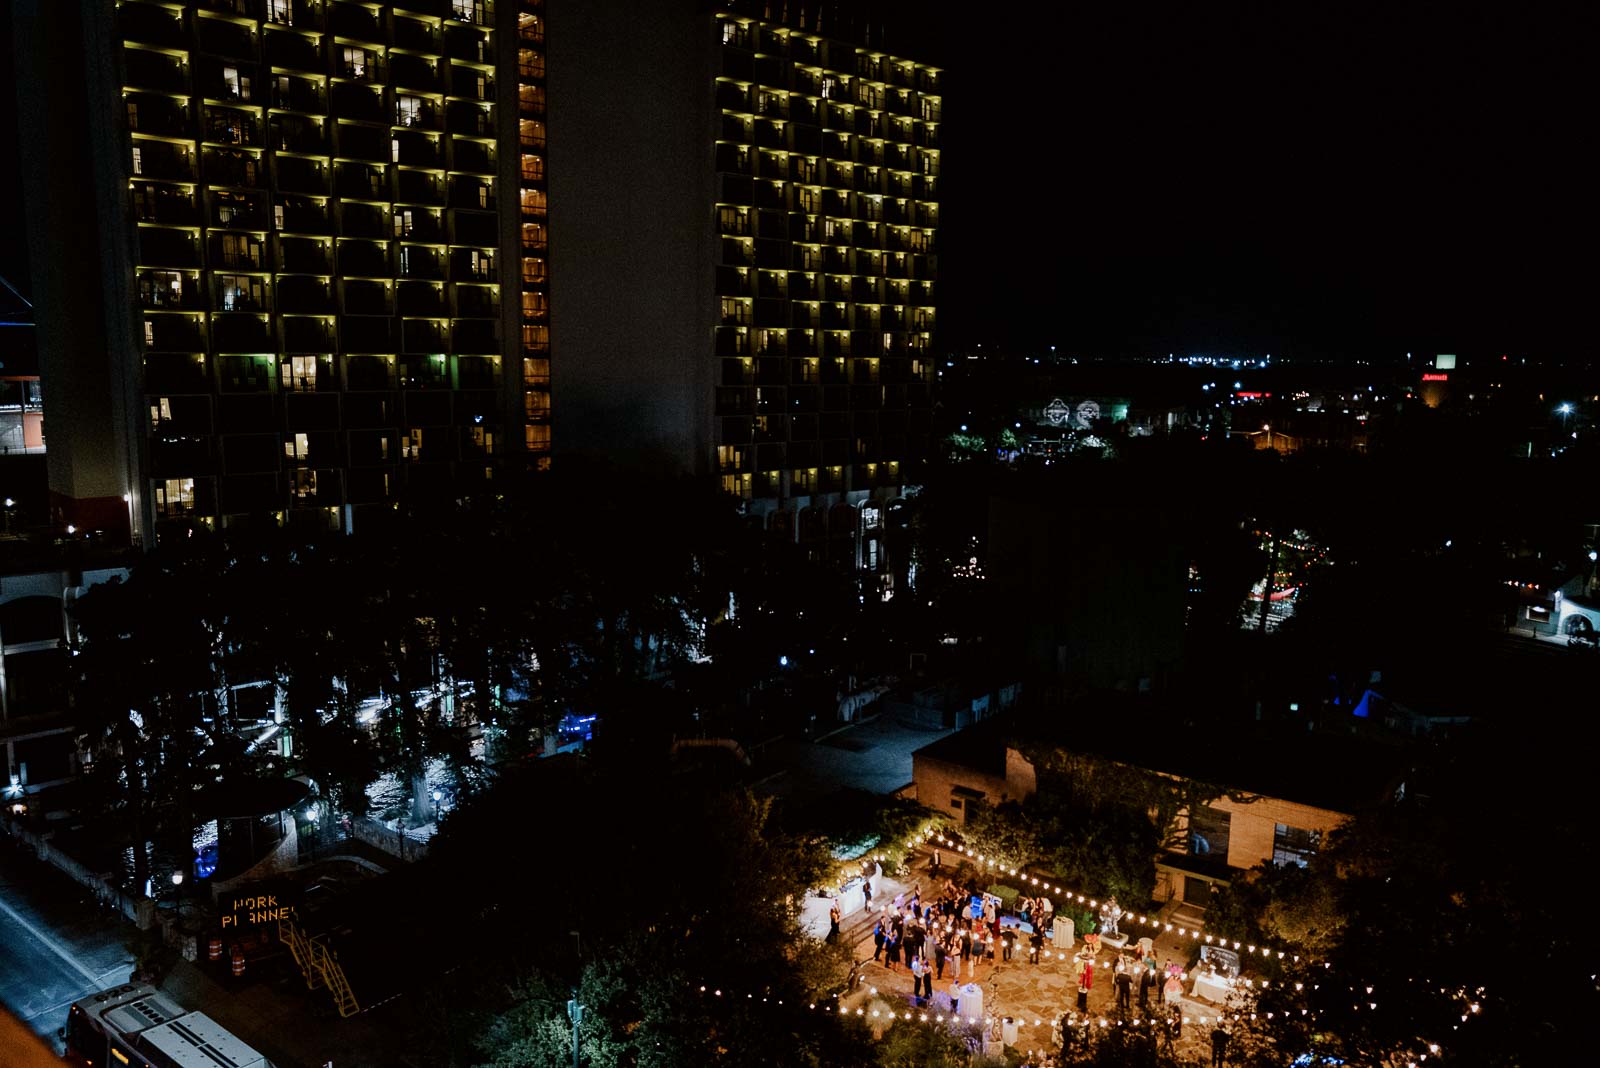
pixel 783 661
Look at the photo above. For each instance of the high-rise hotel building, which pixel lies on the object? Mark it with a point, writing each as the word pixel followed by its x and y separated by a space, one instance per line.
pixel 298 260
pixel 754 187
pixel 279 269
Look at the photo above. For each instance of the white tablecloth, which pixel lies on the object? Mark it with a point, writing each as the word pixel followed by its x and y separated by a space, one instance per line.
pixel 1212 988
pixel 972 1001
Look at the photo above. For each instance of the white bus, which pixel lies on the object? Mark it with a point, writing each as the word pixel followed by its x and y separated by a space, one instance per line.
pixel 137 1026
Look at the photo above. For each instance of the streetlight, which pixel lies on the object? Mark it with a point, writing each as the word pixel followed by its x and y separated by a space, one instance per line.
pixel 575 1014
pixel 438 795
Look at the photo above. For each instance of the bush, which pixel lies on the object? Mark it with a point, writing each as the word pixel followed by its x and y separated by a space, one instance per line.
pixel 1007 894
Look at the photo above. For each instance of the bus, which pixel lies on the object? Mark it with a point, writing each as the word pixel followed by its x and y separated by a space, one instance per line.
pixel 137 1026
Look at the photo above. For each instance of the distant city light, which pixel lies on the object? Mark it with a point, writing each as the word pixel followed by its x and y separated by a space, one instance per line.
pixel 1565 409
pixel 1238 385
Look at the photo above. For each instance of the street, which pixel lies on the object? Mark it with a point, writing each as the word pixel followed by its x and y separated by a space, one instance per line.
pixel 55 946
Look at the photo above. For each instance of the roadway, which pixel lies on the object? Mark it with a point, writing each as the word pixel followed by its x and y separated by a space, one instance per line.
pixel 55 945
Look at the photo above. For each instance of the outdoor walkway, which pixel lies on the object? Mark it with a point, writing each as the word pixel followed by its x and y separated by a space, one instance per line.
pixel 1026 992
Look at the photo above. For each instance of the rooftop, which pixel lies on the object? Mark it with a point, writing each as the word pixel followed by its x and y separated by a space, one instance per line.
pixel 1328 769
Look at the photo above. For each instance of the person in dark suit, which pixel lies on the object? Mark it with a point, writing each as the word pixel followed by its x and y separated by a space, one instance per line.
pixel 1124 983
pixel 1219 1047
pixel 1147 983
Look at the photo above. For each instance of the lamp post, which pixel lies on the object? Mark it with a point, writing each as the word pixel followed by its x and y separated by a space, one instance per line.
pixel 177 894
pixel 575 1014
pixel 438 795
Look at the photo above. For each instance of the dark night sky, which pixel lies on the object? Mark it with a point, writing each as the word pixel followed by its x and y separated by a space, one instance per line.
pixel 1287 178
pixel 1251 178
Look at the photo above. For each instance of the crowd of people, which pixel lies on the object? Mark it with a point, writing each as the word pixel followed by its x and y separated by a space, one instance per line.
pixel 944 936
pixel 954 931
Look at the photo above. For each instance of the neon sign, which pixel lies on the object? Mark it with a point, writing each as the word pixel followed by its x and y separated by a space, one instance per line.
pixel 1430 377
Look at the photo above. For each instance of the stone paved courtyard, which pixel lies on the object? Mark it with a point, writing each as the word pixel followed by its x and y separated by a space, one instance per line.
pixel 1036 995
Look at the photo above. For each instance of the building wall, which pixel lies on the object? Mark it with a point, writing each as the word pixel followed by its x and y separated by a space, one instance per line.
pixel 1252 826
pixel 827 157
pixel 297 207
pixel 631 239
pixel 57 79
pixel 936 781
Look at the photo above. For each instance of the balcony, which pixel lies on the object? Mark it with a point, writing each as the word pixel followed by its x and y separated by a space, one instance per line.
pixel 163 204
pixel 302 216
pixel 475 336
pixel 170 291
pixel 417 150
pixel 158 159
pixel 468 45
pixel 475 303
pixel 157 71
pixel 413 72
pixel 363 259
pixel 301 14
pixel 167 248
pixel 300 255
pixel 467 265
pixel 472 193
pixel 416 187
pixel 291 51
pixel 416 262
pixel 418 224
pixel 472 156
pixel 415 113
pixel 421 298
pixel 294 133
pixel 306 334
pixel 176 372
pixel 478 85
pixel 368 373
pixel 161 115
pixel 241 170
pixel 151 25
pixel 228 39
pixel 361 182
pixel 359 23
pixel 298 95
pixel 362 297
pixel 411 33
pixel 359 102
pixel 424 371
pixel 306 296
pixel 362 334
pixel 293 175
pixel 240 333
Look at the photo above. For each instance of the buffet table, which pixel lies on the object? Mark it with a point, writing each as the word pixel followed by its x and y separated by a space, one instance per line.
pixel 1212 987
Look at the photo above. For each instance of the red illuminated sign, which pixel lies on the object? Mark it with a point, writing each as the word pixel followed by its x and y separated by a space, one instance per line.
pixel 1436 378
pixel 1248 395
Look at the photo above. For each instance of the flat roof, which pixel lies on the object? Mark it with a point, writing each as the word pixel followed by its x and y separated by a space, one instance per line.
pixel 197 1041
pixel 1336 771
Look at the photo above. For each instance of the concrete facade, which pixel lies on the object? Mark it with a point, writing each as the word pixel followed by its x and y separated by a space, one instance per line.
pixel 946 785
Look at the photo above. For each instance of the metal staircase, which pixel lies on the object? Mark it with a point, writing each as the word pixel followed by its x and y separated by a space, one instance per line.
pixel 320 965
